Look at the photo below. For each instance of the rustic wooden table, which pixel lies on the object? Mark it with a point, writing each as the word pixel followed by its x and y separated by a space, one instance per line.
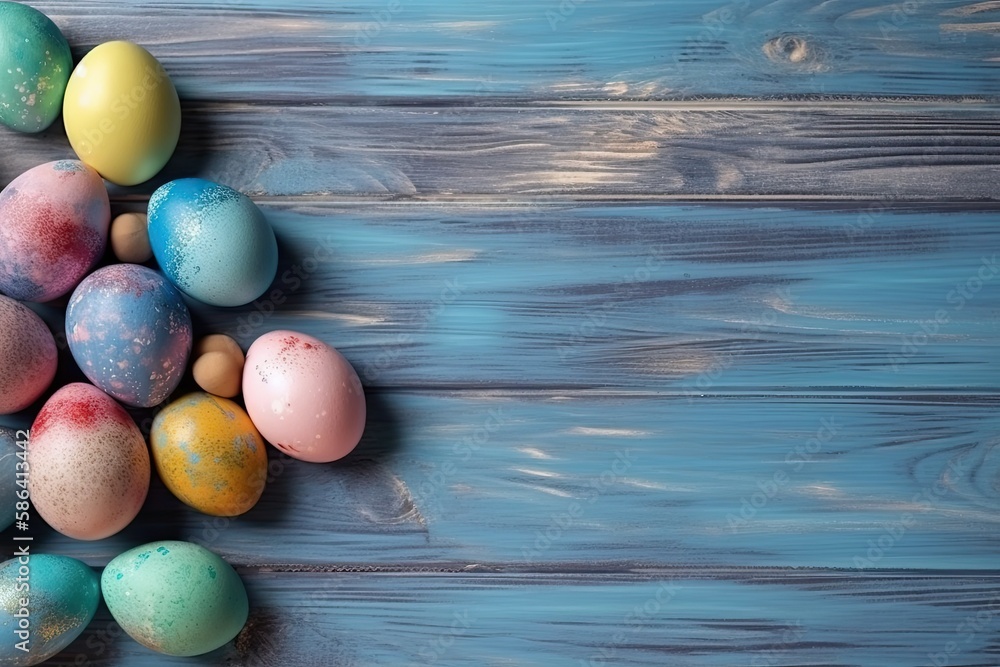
pixel 678 322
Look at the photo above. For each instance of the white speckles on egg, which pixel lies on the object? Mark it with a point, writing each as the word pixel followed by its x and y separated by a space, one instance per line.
pixel 27 356
pixel 289 373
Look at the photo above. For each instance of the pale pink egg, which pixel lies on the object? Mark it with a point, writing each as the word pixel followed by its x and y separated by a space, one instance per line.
pixel 89 463
pixel 27 356
pixel 303 396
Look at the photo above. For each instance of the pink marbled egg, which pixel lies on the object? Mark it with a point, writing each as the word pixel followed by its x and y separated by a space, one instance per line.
pixel 54 222
pixel 89 463
pixel 303 396
pixel 27 356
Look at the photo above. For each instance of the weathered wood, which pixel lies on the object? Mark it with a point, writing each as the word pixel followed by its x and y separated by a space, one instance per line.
pixel 693 618
pixel 373 50
pixel 516 481
pixel 679 298
pixel 883 153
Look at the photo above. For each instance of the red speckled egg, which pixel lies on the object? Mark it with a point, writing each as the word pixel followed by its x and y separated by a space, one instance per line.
pixel 27 356
pixel 303 396
pixel 54 222
pixel 89 463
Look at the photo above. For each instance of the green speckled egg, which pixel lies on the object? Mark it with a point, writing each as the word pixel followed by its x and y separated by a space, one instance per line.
pixel 46 601
pixel 35 64
pixel 176 598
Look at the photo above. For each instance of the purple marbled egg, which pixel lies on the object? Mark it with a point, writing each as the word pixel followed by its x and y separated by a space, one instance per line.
pixel 130 332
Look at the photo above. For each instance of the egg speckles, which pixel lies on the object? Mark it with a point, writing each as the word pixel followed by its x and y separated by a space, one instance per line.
pixel 209 454
pixel 62 599
pixel 35 63
pixel 130 332
pixel 54 222
pixel 212 242
pixel 303 396
pixel 27 356
pixel 175 597
pixel 89 464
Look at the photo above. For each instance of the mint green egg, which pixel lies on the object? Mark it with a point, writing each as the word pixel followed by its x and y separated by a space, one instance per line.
pixel 175 597
pixel 46 601
pixel 35 64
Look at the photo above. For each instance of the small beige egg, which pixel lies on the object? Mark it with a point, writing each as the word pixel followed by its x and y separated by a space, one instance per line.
pixel 218 343
pixel 218 366
pixel 130 239
pixel 219 373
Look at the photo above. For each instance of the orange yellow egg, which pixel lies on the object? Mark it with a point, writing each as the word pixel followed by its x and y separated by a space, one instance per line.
pixel 209 454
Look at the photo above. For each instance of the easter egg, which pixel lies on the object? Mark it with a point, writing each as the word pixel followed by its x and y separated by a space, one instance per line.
pixel 48 601
pixel 176 598
pixel 218 365
pixel 122 113
pixel 303 396
pixel 89 463
pixel 212 242
pixel 54 222
pixel 130 332
pixel 28 356
pixel 129 240
pixel 35 63
pixel 10 441
pixel 209 454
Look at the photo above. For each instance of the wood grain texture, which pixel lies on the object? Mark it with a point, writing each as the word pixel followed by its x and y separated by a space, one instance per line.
pixel 672 617
pixel 505 481
pixel 365 51
pixel 677 298
pixel 882 153
pixel 689 307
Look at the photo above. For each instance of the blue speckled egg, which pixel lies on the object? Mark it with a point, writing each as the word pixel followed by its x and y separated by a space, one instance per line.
pixel 8 473
pixel 130 332
pixel 212 241
pixel 55 596
pixel 35 63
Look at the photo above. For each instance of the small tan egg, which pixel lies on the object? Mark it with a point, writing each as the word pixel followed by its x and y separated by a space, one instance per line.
pixel 129 238
pixel 219 373
pixel 218 343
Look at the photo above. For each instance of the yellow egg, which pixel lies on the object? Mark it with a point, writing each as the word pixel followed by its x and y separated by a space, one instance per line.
pixel 209 454
pixel 122 113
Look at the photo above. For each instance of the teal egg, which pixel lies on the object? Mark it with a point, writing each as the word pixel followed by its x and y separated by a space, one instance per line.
pixel 176 598
pixel 35 64
pixel 46 600
pixel 212 241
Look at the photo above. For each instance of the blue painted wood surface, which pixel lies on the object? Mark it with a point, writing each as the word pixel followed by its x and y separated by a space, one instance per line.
pixel 678 323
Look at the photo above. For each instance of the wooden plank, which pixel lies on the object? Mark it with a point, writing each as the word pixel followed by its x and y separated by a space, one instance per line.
pixel 882 153
pixel 373 50
pixel 684 618
pixel 515 481
pixel 679 298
